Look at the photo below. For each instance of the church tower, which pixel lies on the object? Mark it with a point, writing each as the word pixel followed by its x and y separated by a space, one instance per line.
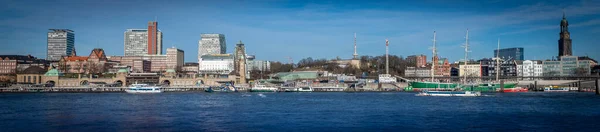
pixel 564 43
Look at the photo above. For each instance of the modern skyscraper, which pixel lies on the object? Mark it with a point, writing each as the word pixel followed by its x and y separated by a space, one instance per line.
pixel 211 44
pixel 61 42
pixel 564 43
pixel 511 53
pixel 136 42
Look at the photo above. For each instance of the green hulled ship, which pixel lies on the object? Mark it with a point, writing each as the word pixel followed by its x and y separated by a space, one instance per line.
pixel 418 86
pixel 484 87
pixel 488 87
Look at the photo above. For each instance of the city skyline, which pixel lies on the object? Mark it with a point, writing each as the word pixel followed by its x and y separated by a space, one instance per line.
pixel 317 30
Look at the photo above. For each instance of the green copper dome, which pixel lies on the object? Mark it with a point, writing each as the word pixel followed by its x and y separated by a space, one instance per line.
pixel 53 73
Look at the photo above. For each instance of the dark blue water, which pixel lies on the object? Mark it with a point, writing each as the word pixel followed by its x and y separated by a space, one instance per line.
pixel 298 112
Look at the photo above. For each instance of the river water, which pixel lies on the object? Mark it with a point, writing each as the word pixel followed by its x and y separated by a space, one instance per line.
pixel 198 111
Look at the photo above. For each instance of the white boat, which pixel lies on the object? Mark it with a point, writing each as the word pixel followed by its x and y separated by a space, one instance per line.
pixel 143 88
pixel 263 88
pixel 297 89
pixel 449 93
pixel 556 89
pixel 305 89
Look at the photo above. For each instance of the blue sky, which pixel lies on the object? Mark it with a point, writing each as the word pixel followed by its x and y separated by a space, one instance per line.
pixel 276 29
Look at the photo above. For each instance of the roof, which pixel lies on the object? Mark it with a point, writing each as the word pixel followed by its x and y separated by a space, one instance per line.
pixel 297 75
pixel 61 30
pixel 122 71
pixel 519 62
pixel 98 52
pixel 217 56
pixel 76 58
pixel 53 73
pixel 586 58
pixel 33 70
pixel 170 71
pixel 16 57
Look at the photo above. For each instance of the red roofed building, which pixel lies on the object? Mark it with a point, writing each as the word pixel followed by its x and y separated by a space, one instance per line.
pixel 94 63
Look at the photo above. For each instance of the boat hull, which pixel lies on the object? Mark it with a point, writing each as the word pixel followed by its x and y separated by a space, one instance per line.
pixel 139 91
pixel 449 93
pixel 510 87
pixel 262 90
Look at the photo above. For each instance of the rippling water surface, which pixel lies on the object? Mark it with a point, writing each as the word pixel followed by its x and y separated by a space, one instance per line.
pixel 197 111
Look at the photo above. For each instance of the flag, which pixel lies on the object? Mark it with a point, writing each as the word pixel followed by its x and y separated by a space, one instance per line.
pixel 387 43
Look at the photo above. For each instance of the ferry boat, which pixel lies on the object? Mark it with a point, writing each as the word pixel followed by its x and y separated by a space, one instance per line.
pixel 449 93
pixel 555 89
pixel 299 89
pixel 143 88
pixel 263 88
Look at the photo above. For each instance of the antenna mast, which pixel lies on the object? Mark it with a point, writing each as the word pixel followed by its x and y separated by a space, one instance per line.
pixel 355 54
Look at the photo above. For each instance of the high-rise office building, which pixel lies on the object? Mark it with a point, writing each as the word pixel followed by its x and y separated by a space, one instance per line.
pixel 61 42
pixel 510 53
pixel 136 42
pixel 211 44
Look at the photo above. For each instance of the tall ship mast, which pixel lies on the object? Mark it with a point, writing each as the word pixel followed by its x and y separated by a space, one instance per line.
pixel 498 60
pixel 466 54
pixel 434 50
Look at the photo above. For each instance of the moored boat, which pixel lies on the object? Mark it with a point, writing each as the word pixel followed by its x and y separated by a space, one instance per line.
pixel 449 93
pixel 492 87
pixel 555 89
pixel 263 88
pixel 143 88
pixel 420 86
pixel 516 89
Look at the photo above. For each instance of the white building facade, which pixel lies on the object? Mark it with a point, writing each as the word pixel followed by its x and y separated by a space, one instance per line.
pixel 216 64
pixel 470 70
pixel 530 68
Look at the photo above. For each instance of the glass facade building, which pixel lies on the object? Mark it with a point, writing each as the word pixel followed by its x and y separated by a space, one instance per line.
pixel 61 42
pixel 511 53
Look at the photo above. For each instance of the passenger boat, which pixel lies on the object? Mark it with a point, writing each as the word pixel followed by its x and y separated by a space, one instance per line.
pixel 298 89
pixel 143 88
pixel 263 88
pixel 555 89
pixel 449 93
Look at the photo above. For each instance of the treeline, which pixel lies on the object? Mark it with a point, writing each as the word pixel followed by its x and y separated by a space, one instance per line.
pixel 370 65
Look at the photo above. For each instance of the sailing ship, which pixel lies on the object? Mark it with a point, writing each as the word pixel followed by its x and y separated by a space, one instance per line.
pixel 431 85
